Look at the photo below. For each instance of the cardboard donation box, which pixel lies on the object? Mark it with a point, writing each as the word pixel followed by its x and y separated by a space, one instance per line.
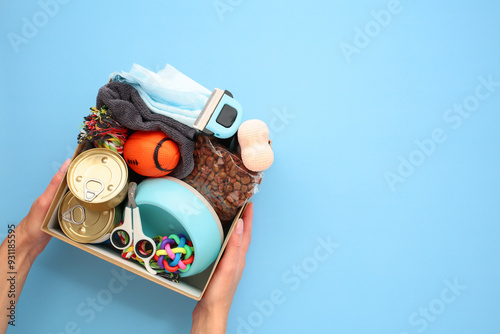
pixel 193 286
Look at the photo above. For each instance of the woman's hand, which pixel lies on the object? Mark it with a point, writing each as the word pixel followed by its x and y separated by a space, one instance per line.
pixel 29 227
pixel 211 312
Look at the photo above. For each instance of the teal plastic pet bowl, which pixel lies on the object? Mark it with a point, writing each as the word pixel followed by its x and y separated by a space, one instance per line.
pixel 168 205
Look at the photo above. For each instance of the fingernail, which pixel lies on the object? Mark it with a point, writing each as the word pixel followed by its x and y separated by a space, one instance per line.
pixel 239 227
pixel 64 167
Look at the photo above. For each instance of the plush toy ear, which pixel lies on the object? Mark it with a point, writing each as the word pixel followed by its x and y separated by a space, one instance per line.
pixel 256 151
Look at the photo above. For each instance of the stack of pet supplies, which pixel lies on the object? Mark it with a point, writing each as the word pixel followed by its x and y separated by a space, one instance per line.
pixel 166 168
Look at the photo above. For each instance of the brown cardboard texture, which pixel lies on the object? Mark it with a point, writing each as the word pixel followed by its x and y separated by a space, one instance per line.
pixel 192 287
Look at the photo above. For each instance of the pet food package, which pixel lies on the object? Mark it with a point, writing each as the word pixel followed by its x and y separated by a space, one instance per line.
pixel 220 176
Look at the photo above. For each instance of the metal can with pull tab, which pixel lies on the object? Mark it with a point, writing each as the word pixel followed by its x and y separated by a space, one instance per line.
pixel 84 225
pixel 98 179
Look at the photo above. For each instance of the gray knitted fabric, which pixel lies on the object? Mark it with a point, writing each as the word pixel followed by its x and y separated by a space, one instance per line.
pixel 128 109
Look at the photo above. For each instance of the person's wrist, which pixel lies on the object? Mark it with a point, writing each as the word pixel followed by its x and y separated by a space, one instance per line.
pixel 16 247
pixel 213 318
pixel 211 309
pixel 28 247
pixel 23 247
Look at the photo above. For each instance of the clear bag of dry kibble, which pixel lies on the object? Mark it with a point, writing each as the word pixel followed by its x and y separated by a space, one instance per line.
pixel 220 176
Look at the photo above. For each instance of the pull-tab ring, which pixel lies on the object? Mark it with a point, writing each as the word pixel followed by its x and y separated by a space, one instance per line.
pixel 69 216
pixel 89 194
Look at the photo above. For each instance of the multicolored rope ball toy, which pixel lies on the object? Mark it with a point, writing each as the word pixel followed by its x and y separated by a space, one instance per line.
pixel 175 254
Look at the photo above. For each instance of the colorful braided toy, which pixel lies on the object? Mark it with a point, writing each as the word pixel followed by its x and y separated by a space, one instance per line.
pixel 113 143
pixel 174 255
pixel 101 129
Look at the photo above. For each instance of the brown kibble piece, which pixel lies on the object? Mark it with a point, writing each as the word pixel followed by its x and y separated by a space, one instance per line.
pixel 245 179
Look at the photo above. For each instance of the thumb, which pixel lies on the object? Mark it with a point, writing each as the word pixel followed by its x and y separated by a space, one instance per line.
pixel 236 239
pixel 42 203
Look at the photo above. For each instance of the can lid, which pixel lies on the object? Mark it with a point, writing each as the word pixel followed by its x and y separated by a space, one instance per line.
pixel 81 224
pixel 97 176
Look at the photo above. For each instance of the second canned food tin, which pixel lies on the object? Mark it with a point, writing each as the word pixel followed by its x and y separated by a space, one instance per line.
pixel 84 225
pixel 98 179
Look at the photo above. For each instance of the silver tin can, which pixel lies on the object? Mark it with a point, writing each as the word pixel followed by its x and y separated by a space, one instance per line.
pixel 84 225
pixel 98 178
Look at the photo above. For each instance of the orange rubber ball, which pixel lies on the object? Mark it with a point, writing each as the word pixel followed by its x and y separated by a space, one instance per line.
pixel 151 153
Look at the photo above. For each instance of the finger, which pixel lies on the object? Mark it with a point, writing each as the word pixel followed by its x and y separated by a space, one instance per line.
pixel 237 236
pixel 42 203
pixel 230 260
pixel 247 233
pixel 56 180
pixel 234 244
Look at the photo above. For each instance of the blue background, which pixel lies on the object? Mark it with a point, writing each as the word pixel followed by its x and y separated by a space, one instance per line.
pixel 340 122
